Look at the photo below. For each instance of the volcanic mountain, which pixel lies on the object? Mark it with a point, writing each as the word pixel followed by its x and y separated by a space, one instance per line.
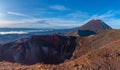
pixel 91 27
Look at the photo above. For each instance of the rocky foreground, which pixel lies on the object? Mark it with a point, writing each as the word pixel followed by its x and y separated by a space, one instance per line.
pixel 96 52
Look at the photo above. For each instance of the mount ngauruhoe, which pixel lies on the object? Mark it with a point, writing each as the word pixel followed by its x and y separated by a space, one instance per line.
pixel 89 28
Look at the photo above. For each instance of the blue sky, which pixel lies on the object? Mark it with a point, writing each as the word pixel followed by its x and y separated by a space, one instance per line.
pixel 57 13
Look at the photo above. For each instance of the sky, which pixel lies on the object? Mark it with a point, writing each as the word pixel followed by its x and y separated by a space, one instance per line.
pixel 57 14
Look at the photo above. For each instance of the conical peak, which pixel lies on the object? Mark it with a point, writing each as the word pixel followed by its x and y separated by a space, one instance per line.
pixel 95 21
pixel 95 25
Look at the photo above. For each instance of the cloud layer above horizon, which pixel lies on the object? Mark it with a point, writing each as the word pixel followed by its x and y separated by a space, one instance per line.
pixel 45 14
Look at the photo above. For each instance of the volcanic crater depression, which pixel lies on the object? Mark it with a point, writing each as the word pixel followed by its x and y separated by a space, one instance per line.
pixel 51 49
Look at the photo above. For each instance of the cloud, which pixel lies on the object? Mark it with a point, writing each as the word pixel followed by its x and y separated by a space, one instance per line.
pixel 19 14
pixel 40 23
pixel 113 22
pixel 59 7
pixel 78 15
pixel 106 15
pixel 70 20
pixel 19 21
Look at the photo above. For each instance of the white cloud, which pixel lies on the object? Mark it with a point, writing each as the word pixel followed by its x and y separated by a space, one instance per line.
pixel 113 22
pixel 40 23
pixel 107 15
pixel 19 14
pixel 78 15
pixel 75 20
pixel 59 7
pixel 19 21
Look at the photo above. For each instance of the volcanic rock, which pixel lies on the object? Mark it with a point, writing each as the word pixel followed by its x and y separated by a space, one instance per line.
pixel 52 49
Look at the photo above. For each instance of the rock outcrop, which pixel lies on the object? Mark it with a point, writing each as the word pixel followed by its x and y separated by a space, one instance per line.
pixel 38 49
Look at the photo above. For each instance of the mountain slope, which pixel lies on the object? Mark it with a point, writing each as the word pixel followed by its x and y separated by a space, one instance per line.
pixel 107 57
pixel 89 28
pixel 86 44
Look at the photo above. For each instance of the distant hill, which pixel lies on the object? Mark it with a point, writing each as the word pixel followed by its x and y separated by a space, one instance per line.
pixel 89 28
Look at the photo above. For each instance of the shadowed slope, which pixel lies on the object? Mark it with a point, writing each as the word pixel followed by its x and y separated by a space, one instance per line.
pixel 38 49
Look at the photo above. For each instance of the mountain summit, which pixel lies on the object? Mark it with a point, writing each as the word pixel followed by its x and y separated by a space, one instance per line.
pixel 95 25
pixel 89 28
